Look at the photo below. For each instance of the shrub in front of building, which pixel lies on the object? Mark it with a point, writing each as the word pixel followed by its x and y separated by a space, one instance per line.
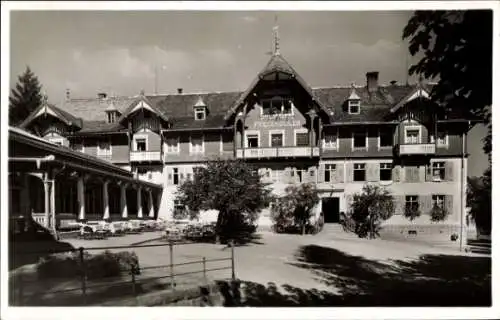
pixel 68 265
pixel 411 213
pixel 438 213
pixel 369 209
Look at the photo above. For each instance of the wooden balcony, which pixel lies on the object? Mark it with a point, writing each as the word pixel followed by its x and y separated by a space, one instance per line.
pixel 145 156
pixel 280 152
pixel 416 149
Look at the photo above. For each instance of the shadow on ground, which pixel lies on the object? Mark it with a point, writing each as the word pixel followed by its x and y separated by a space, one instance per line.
pixel 28 247
pixel 432 280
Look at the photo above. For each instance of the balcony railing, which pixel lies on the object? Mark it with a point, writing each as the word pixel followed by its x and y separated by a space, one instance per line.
pixel 417 149
pixel 146 156
pixel 252 153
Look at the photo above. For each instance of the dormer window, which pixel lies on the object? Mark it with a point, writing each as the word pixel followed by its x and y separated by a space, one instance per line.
pixel 112 116
pixel 354 106
pixel 199 113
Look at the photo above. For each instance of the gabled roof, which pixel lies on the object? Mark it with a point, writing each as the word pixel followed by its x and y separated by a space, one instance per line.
pixel 200 103
pixel 46 108
pixel 277 63
pixel 141 102
pixel 419 92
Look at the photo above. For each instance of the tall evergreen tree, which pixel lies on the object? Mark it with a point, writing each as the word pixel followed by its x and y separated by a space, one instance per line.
pixel 24 98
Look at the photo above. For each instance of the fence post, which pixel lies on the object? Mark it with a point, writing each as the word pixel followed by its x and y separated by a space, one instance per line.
pixel 21 289
pixel 84 276
pixel 205 269
pixel 233 276
pixel 132 272
pixel 171 247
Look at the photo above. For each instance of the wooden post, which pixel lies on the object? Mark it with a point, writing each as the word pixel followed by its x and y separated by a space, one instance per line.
pixel 132 272
pixel 83 276
pixel 171 247
pixel 233 276
pixel 205 269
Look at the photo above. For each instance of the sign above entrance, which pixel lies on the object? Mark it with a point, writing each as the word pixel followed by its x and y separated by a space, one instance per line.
pixel 277 123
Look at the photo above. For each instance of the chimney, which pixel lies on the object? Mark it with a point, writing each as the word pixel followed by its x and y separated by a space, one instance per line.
pixel 68 95
pixel 102 95
pixel 372 81
pixel 179 90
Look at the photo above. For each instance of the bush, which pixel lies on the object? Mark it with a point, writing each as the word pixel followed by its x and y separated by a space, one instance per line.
pixel 411 213
pixel 438 213
pixel 68 265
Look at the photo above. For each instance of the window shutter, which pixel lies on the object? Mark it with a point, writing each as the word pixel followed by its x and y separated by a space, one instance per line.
pixel 396 174
pixel 348 201
pixel 181 178
pixel 425 204
pixel 428 173
pixel 340 172
pixel 372 172
pixel 408 174
pixel 350 173
pixel 399 202
pixel 416 174
pixel 321 173
pixel 449 203
pixel 169 175
pixel 449 171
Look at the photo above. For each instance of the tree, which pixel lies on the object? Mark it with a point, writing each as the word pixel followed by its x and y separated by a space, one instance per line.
pixel 369 208
pixel 296 206
pixel 25 97
pixel 231 187
pixel 479 200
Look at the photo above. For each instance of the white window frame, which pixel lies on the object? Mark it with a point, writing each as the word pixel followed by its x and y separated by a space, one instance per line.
pixel 200 110
pixel 354 103
pixel 383 147
pixel 446 140
pixel 329 146
pixel 411 200
pixel 303 174
pixel 261 104
pixel 140 136
pixel 435 199
pixel 101 152
pixel 366 141
pixel 441 168
pixel 253 132
pixel 388 166
pixel 299 130
pixel 282 132
pixel 221 147
pixel 173 150
pixel 191 149
pixel 332 171
pixel 413 127
pixel 354 170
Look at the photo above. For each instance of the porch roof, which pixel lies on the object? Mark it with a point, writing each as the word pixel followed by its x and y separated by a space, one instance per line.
pixel 66 156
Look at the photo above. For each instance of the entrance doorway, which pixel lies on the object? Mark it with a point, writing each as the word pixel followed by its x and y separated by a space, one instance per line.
pixel 331 209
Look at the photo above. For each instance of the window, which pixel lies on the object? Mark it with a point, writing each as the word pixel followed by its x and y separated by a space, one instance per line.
pixel 175 176
pixel 275 175
pixel 442 140
pixel 438 171
pixel 412 135
pixel 359 172
pixel 252 140
pixel 438 200
pixel 140 144
pixel 385 172
pixel 330 141
pixel 385 138
pixel 301 173
pixel 411 202
pixel 103 148
pixel 196 170
pixel 197 144
pixel 78 147
pixel 179 209
pixel 112 115
pixel 301 139
pixel 199 113
pixel 276 139
pixel 276 105
pixel 329 172
pixel 173 145
pixel 354 106
pixel 359 139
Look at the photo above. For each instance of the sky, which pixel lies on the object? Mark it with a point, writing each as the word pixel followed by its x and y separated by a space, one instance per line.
pixel 120 52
